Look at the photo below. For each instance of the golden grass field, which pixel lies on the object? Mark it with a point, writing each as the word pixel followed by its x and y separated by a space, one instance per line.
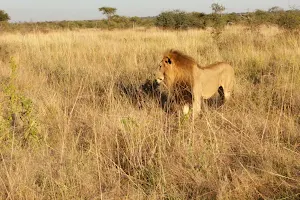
pixel 68 131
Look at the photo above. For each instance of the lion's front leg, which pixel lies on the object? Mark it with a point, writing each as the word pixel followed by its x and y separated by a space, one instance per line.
pixel 197 106
pixel 196 100
pixel 185 109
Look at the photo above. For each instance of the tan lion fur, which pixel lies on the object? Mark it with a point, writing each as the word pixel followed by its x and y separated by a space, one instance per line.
pixel 181 73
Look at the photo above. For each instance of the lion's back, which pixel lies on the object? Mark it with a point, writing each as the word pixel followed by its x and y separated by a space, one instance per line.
pixel 218 69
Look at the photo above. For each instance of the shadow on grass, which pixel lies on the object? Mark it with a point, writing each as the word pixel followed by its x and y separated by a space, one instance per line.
pixel 139 95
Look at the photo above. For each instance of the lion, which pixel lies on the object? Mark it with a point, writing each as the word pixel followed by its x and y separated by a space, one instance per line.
pixel 181 74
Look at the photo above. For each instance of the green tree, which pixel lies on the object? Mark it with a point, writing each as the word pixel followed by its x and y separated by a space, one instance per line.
pixel 108 11
pixel 135 20
pixel 181 19
pixel 165 20
pixel 173 19
pixel 275 9
pixel 4 16
pixel 261 17
pixel 197 20
pixel 217 8
pixel 218 20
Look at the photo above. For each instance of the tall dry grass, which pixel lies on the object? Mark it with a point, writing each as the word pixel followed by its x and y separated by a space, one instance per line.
pixel 68 132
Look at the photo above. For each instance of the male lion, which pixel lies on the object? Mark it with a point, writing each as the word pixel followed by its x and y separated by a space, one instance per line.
pixel 181 73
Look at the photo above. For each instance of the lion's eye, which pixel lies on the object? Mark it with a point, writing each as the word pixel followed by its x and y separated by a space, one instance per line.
pixel 166 61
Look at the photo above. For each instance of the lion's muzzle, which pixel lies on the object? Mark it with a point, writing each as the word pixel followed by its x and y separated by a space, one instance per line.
pixel 159 80
pixel 159 77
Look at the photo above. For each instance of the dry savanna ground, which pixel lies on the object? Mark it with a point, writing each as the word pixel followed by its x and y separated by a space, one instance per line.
pixel 69 130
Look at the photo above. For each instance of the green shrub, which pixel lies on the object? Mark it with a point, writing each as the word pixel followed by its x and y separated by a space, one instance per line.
pixel 173 19
pixel 19 120
pixel 289 20
pixel 4 16
pixel 165 20
pixel 197 20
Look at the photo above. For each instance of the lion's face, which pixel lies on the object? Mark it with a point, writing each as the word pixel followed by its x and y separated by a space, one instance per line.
pixel 165 71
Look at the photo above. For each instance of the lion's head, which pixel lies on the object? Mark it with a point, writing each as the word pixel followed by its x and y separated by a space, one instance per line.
pixel 175 67
pixel 165 72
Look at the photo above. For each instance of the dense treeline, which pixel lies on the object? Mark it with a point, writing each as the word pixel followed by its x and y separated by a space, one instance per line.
pixel 176 19
pixel 115 22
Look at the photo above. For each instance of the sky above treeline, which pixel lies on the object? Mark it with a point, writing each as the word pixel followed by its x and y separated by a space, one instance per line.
pixel 56 10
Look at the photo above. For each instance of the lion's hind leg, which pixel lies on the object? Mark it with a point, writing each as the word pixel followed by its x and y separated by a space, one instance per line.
pixel 221 93
pixel 228 91
pixel 227 95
